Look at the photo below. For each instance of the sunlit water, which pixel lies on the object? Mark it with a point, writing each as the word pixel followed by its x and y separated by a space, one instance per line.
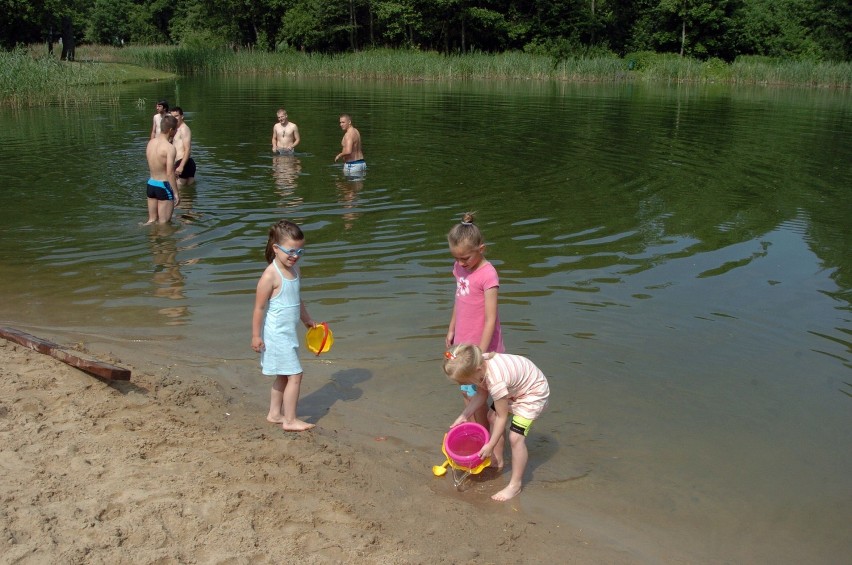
pixel 677 260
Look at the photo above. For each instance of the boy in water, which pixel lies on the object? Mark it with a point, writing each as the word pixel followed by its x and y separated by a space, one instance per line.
pixel 285 135
pixel 184 163
pixel 351 153
pixel 162 110
pixel 162 188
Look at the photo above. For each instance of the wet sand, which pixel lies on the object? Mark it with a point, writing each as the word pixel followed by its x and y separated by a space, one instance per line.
pixel 165 469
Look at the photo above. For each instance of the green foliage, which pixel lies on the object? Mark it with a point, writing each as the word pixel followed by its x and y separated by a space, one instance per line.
pixel 109 22
pixel 315 25
pixel 805 30
pixel 645 60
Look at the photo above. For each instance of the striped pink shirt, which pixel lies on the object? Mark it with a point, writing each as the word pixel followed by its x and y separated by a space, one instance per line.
pixel 518 379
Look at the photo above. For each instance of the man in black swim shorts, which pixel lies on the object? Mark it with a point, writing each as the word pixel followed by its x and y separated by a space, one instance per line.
pixel 184 163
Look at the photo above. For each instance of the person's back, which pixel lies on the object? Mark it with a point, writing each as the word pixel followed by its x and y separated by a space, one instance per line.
pixel 158 152
pixel 162 191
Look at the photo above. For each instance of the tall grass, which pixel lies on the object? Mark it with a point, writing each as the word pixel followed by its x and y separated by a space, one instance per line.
pixel 31 77
pixel 27 78
pixel 26 81
pixel 422 65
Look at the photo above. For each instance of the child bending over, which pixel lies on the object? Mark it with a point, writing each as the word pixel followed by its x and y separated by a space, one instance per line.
pixel 516 386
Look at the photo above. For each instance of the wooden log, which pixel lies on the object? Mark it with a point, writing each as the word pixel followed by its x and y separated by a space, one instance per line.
pixel 97 368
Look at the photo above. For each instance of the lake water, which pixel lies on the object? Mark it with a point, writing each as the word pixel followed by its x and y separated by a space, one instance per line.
pixel 678 260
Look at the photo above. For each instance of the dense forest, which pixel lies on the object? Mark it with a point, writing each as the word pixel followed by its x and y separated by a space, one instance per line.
pixel 814 30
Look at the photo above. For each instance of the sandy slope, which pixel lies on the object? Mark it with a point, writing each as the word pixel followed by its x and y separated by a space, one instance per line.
pixel 162 470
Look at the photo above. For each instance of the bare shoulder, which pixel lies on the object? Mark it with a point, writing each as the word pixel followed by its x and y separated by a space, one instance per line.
pixel 269 278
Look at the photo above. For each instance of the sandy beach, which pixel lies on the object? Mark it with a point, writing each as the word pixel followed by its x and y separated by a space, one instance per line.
pixel 168 470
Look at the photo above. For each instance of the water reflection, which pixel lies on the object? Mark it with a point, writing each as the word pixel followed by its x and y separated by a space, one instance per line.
pixel 168 280
pixel 286 170
pixel 184 212
pixel 347 196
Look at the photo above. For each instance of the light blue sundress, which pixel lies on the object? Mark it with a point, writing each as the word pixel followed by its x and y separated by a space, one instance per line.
pixel 281 355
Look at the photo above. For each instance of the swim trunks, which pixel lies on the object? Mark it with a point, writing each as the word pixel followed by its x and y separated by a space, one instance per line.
pixel 188 171
pixel 354 167
pixel 290 151
pixel 160 189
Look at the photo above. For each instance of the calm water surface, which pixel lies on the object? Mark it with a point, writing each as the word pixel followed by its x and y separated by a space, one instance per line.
pixel 677 260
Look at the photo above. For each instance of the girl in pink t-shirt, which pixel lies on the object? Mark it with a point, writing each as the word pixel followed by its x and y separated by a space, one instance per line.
pixel 516 386
pixel 474 319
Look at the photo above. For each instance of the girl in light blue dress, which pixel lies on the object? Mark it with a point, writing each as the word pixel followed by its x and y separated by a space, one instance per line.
pixel 278 308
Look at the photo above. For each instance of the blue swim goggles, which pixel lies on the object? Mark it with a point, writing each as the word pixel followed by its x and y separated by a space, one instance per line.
pixel 291 252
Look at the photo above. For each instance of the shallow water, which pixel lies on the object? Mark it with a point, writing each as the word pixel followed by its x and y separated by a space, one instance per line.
pixel 677 261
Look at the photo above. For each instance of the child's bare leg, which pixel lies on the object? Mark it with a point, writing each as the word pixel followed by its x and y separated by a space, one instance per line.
pixel 519 463
pixel 290 422
pixel 152 211
pixel 276 400
pixel 497 456
pixel 165 209
pixel 480 416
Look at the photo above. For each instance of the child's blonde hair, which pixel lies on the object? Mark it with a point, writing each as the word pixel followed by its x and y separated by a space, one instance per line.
pixel 461 363
pixel 466 232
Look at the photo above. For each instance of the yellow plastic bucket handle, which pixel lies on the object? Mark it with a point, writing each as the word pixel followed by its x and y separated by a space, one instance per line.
pixel 324 338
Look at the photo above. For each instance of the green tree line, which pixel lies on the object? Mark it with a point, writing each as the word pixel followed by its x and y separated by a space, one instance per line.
pixel 816 30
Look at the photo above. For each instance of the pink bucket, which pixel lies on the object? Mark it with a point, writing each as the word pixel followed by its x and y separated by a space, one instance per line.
pixel 463 442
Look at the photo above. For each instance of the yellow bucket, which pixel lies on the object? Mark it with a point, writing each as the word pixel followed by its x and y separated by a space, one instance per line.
pixel 319 338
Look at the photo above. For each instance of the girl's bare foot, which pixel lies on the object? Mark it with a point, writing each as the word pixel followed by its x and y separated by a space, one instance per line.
pixel 296 426
pixel 509 492
pixel 275 419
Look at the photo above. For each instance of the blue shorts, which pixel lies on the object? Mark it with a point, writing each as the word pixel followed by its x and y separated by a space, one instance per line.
pixel 354 167
pixel 160 189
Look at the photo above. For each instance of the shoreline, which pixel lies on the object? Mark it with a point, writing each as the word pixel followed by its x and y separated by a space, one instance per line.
pixel 167 468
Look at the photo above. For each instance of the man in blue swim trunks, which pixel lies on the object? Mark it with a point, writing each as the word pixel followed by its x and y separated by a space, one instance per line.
pixel 162 188
pixel 353 157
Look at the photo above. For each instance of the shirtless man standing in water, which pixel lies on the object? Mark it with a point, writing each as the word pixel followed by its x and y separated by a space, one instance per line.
pixel 285 135
pixel 162 110
pixel 184 163
pixel 162 190
pixel 353 157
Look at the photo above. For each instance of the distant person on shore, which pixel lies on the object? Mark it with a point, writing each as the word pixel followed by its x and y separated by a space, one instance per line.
pixel 278 307
pixel 162 110
pixel 474 319
pixel 285 135
pixel 517 387
pixel 184 163
pixel 162 190
pixel 353 157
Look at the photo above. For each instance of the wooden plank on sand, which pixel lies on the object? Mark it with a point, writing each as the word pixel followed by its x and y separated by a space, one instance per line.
pixel 97 368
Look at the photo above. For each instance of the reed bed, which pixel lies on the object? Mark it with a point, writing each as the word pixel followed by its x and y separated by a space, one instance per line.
pixel 39 81
pixel 426 65
pixel 28 79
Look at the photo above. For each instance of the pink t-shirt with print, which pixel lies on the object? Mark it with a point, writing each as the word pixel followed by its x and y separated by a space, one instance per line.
pixel 470 305
pixel 518 379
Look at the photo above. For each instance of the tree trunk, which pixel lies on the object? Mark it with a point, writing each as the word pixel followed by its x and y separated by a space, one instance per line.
pixel 370 11
pixel 68 45
pixel 50 42
pixel 682 36
pixel 353 42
